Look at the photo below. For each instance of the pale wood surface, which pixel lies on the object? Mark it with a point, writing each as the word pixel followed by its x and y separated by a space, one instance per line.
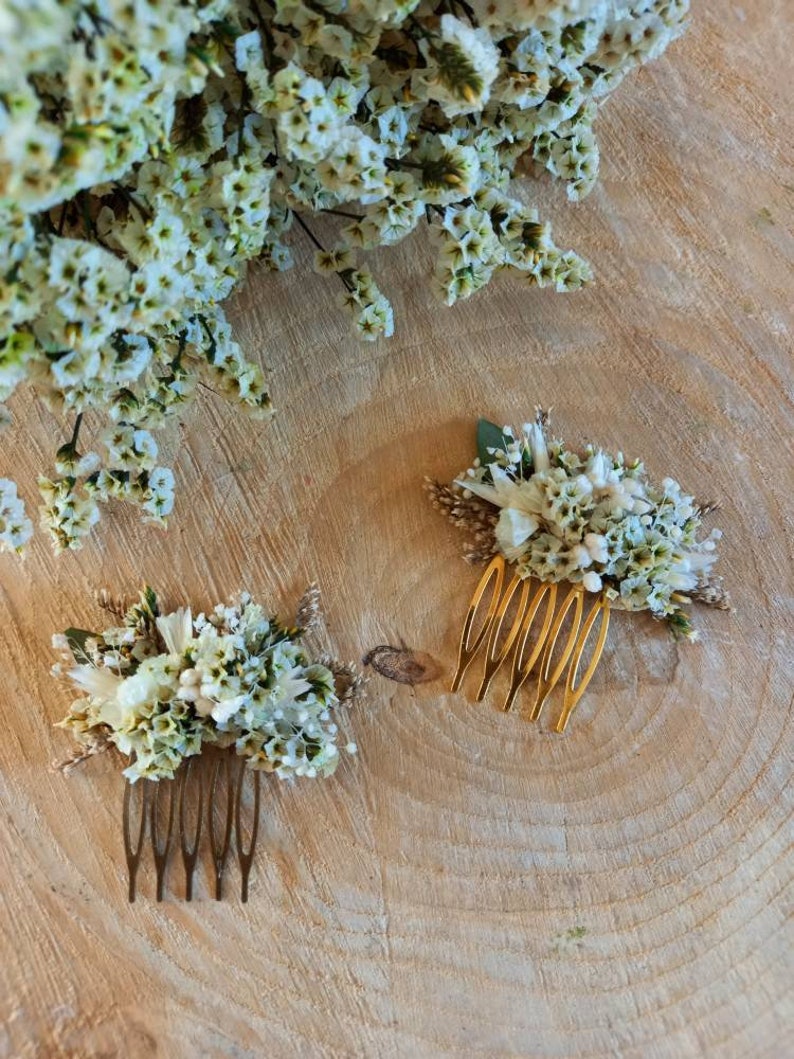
pixel 471 885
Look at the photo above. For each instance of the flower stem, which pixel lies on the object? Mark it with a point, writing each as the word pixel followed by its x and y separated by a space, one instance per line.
pixel 320 247
pixel 308 231
pixel 76 431
pixel 344 213
pixel 132 200
pixel 62 221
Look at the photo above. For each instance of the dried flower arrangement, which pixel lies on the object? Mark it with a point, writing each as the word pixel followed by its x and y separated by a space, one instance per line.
pixel 148 151
pixel 159 687
pixel 587 518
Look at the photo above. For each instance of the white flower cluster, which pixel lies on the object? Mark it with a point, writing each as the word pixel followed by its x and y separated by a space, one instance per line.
pixel 161 686
pixel 149 150
pixel 593 518
pixel 15 527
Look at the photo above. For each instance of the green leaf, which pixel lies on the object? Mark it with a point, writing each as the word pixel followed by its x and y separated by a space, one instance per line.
pixel 77 639
pixel 149 601
pixel 489 436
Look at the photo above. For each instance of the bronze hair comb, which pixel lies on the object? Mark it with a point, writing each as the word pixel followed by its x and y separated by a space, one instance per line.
pixel 541 651
pixel 218 785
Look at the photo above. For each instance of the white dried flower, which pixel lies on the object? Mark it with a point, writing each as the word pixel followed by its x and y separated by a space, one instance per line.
pixel 149 151
pixel 16 528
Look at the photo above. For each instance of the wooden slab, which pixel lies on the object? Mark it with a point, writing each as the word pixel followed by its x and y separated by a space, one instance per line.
pixel 471 885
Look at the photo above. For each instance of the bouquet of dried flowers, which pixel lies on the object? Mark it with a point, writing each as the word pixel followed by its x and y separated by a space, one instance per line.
pixel 159 687
pixel 150 150
pixel 585 517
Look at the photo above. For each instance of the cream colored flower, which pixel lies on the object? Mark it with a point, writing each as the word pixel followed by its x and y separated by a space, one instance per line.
pixel 513 530
pixel 176 630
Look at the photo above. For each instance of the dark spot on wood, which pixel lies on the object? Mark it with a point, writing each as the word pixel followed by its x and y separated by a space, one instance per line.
pixel 401 664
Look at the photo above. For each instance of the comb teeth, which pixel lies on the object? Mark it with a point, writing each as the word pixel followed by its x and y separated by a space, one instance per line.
pixel 245 858
pixel 222 776
pixel 216 788
pixel 543 651
pixel 134 851
pixel 494 571
pixel 161 849
pixel 190 850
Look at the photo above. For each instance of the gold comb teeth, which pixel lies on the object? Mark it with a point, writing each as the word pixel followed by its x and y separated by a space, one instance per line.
pixel 523 665
pixel 541 653
pixel 497 652
pixel 158 806
pixel 495 570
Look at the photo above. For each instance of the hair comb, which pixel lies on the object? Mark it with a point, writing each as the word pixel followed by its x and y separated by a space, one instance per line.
pixel 584 533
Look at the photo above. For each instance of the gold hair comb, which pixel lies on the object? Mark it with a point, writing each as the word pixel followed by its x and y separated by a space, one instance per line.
pixel 593 533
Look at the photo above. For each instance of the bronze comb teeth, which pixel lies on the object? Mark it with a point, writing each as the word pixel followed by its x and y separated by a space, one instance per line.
pixel 213 789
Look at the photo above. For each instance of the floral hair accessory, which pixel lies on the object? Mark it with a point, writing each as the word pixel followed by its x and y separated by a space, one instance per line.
pixel 162 687
pixel 587 518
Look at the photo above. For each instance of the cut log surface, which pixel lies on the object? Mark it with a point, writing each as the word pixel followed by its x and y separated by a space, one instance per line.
pixel 470 884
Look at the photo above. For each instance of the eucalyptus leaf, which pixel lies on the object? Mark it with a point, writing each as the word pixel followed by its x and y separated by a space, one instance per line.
pixel 149 601
pixel 77 639
pixel 489 436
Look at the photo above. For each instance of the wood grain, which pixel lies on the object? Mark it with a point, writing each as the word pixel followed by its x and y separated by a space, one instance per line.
pixel 471 885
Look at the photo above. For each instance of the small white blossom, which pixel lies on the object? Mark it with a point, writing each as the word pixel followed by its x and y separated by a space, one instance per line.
pixel 16 528
pixel 592 581
pixel 463 64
